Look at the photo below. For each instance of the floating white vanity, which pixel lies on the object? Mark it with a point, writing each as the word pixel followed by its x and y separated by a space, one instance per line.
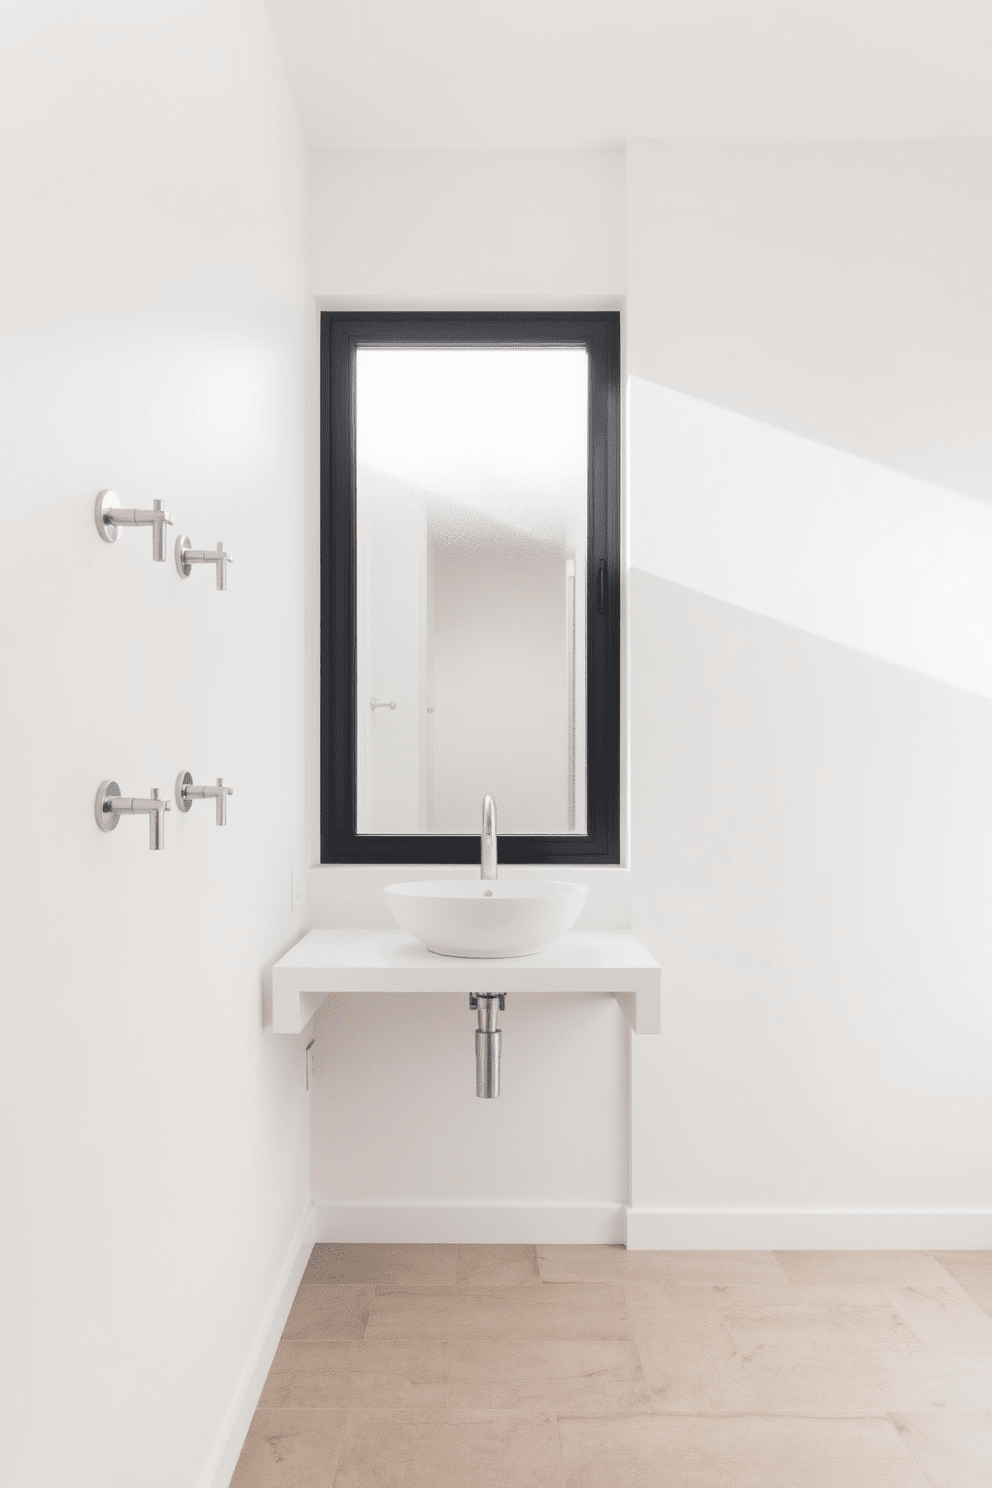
pixel 613 963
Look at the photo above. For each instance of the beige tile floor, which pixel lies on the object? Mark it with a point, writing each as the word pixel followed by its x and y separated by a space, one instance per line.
pixel 553 1366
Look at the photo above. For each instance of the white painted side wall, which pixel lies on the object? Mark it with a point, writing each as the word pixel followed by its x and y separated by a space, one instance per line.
pixel 810 652
pixel 154 1136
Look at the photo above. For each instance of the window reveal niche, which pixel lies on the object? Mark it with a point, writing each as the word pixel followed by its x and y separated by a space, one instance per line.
pixel 470 586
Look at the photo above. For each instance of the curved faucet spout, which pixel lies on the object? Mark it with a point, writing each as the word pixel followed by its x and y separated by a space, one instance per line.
pixel 489 868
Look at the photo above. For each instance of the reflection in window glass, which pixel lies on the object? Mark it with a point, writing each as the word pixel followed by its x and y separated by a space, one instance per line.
pixel 472 480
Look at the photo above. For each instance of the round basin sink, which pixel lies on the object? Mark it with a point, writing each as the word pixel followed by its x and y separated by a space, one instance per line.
pixel 486 917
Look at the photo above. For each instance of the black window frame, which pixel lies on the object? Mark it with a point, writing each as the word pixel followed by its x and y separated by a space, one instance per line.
pixel 341 333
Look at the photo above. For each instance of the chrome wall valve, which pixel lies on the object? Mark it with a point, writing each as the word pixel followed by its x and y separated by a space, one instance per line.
pixel 111 517
pixel 111 806
pixel 187 555
pixel 187 793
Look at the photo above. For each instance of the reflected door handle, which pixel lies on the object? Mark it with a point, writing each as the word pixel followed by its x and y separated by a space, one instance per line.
pixel 601 588
pixel 375 703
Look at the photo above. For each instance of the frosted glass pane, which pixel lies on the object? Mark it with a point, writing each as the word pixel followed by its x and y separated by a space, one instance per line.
pixel 472 477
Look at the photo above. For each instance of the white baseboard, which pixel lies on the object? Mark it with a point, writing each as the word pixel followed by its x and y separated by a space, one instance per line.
pixel 471 1224
pixel 234 1428
pixel 732 1229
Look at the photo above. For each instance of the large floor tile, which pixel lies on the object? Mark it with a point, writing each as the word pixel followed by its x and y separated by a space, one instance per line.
pixel 581 1378
pixel 863 1314
pixel 290 1449
pixel 499 1312
pixel 789 1374
pixel 449 1449
pixel 746 1452
pixel 497 1265
pixel 953 1448
pixel 329 1314
pixel 861 1267
pixel 972 1269
pixel 943 1316
pixel 692 1267
pixel 340 1375
pixel 669 1311
pixel 689 1359
pixel 829 1352
pixel 397 1265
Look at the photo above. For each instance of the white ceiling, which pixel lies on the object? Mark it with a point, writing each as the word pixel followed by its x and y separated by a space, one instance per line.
pixel 561 74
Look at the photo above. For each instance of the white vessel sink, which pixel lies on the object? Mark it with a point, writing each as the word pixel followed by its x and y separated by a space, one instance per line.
pixel 486 917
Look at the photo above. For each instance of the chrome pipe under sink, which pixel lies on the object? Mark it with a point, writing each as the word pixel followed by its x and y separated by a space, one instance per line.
pixel 488 1042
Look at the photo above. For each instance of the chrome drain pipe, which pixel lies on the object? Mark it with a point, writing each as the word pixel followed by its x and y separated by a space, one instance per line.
pixel 488 1039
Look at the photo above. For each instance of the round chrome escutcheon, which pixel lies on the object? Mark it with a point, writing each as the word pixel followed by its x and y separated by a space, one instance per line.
pixel 106 502
pixel 106 819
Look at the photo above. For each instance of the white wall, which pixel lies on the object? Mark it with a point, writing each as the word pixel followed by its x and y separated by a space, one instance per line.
pixel 810 653
pixel 396 1119
pixel 154 1137
pixel 405 226
pixel 813 868
pixel 809 634
pixel 835 288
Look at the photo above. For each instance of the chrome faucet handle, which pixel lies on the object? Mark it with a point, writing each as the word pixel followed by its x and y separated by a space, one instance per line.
pixel 488 867
pixel 187 793
pixel 110 806
pixel 111 516
pixel 187 555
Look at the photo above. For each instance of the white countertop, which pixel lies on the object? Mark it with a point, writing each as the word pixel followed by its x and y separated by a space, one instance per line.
pixel 610 962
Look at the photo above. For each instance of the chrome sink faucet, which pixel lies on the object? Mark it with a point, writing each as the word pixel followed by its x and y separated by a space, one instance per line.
pixel 489 868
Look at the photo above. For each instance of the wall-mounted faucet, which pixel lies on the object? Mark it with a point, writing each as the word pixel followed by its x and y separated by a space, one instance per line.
pixel 186 556
pixel 489 867
pixel 111 517
pixel 111 806
pixel 187 793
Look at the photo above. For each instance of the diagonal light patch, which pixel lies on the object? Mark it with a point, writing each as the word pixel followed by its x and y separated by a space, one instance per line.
pixel 811 536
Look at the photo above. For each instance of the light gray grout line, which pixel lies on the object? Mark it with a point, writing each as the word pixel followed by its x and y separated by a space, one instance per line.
pixel 776 1254
pixel 906 1446
pixel 947 1272
pixel 955 1281
pixel 934 1257
pixel 637 1346
pixel 337 1455
pixel 561 1449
